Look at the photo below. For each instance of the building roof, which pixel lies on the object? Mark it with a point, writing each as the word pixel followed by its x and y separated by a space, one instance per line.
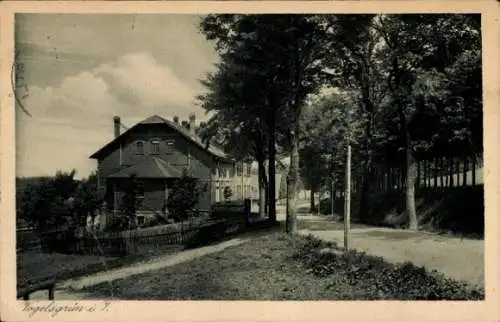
pixel 151 168
pixel 155 119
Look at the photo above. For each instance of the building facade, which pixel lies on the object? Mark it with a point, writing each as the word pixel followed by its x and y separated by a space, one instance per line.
pixel 156 151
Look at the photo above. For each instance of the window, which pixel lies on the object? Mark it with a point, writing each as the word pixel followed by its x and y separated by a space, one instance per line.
pixel 169 146
pixel 222 172
pixel 140 147
pixel 249 170
pixel 139 190
pixel 155 147
pixel 239 169
pixel 217 194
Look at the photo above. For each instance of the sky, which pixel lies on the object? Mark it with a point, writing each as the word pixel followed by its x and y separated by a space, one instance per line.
pixel 81 70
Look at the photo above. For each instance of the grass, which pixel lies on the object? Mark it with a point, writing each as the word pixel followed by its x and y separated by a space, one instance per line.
pixel 35 267
pixel 256 270
pixel 282 267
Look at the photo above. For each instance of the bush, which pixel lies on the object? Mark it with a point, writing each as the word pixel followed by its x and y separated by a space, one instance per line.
pixel 50 202
pixel 380 279
pixel 185 195
pixel 117 223
pixel 228 193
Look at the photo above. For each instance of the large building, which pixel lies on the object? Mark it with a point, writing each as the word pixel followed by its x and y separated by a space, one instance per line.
pixel 157 151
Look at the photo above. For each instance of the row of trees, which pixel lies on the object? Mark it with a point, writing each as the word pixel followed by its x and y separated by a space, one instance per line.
pixel 402 88
pixel 59 201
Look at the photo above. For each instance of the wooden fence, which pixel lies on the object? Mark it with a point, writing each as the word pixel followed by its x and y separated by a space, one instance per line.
pixel 226 218
pixel 123 243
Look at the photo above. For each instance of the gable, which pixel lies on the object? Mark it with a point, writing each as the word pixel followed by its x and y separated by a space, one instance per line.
pixel 169 126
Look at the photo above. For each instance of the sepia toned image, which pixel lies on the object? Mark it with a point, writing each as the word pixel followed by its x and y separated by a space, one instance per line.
pixel 172 159
pixel 205 157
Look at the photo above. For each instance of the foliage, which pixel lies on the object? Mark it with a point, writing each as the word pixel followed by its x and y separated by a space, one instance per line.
pixel 380 279
pixel 228 193
pixel 131 201
pixel 48 203
pixel 390 74
pixel 325 126
pixel 86 200
pixel 184 196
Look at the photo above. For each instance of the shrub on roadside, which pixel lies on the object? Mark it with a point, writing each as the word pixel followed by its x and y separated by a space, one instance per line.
pixel 380 279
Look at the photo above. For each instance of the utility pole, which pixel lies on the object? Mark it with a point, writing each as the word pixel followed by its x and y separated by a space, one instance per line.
pixel 347 201
pixel 347 195
pixel 332 188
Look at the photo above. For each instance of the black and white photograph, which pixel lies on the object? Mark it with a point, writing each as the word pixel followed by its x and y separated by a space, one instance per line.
pixel 248 157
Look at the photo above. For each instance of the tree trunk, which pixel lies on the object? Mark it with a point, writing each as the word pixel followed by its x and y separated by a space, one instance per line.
pixel 313 205
pixel 262 189
pixel 451 170
pixel 464 179
pixel 410 168
pixel 419 177
pixel 332 197
pixel 435 174
pixel 272 170
pixel 367 171
pixel 410 189
pixel 292 179
pixel 440 173
pixel 473 170
pixel 426 172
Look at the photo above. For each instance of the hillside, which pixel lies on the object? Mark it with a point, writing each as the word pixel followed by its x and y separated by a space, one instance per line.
pixel 457 210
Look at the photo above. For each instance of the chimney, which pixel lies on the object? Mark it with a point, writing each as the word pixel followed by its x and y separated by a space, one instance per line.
pixel 116 121
pixel 192 121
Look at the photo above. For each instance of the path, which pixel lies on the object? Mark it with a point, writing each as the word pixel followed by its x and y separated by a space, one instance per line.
pixel 460 259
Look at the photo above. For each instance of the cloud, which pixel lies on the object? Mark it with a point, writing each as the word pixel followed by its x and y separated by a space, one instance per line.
pixel 134 85
pixel 140 80
pixel 73 119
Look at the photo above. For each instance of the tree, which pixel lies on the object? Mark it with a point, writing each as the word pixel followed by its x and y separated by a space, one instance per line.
pixel 356 66
pixel 245 117
pixel 86 200
pixel 130 200
pixel 419 50
pixel 326 124
pixel 238 130
pixel 184 196
pixel 228 193
pixel 44 203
